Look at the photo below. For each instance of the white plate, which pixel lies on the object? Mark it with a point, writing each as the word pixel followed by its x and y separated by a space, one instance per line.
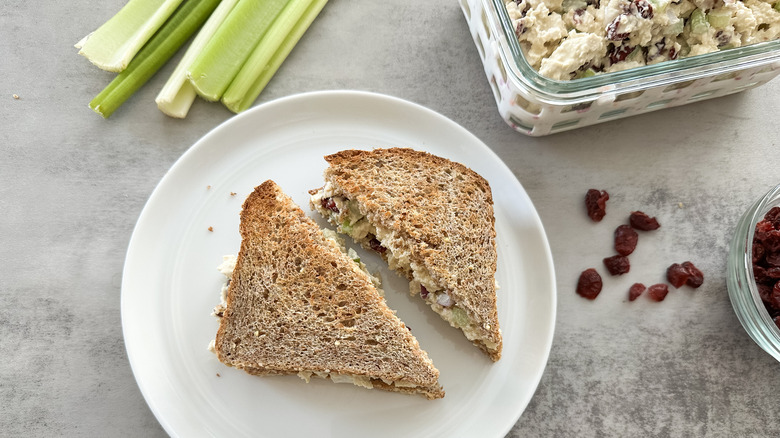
pixel 170 282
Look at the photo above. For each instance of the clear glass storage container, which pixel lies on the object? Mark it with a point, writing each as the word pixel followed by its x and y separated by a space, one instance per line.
pixel 743 291
pixel 537 106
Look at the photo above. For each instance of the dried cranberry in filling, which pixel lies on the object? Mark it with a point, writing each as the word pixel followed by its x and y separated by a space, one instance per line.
pixel 635 291
pixel 695 276
pixel 677 275
pixel 657 292
pixel 589 284
pixel 596 203
pixel 625 240
pixel 617 264
pixel 423 292
pixel 376 245
pixel 330 204
pixel 643 222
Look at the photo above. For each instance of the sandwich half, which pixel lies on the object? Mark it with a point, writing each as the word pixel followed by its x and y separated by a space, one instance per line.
pixel 296 303
pixel 432 220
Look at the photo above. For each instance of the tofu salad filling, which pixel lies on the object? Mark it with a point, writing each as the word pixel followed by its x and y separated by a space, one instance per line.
pixel 347 216
pixel 571 39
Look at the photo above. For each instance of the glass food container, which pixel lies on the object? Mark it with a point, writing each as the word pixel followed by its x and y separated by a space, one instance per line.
pixel 742 287
pixel 537 106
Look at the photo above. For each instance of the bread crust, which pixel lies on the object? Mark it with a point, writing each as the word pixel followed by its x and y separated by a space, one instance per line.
pixel 297 303
pixel 442 210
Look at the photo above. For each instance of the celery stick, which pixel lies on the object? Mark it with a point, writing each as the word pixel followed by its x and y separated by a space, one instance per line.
pixel 113 45
pixel 182 24
pixel 719 20
pixel 265 49
pixel 219 62
pixel 276 61
pixel 699 22
pixel 177 95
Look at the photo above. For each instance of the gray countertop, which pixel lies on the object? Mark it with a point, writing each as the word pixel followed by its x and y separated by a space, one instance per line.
pixel 73 185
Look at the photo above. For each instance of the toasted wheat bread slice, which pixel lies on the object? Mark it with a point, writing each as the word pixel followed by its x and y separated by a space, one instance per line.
pixel 432 220
pixel 297 304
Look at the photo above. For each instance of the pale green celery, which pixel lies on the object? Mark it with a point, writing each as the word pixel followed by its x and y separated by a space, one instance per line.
pixel 459 317
pixel 699 22
pixel 214 68
pixel 719 20
pixel 114 44
pixel 675 29
pixel 568 5
pixel 177 95
pixel 263 52
pixel 182 24
pixel 585 73
pixel 281 54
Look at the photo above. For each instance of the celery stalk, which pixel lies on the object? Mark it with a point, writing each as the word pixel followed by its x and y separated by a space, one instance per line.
pixel 281 54
pixel 182 24
pixel 177 95
pixel 113 44
pixel 263 52
pixel 699 22
pixel 219 62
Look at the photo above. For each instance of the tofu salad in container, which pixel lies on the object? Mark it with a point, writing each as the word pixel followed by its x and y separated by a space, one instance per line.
pixel 556 65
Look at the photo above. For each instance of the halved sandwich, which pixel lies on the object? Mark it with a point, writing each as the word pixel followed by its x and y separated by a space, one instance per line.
pixel 296 303
pixel 432 220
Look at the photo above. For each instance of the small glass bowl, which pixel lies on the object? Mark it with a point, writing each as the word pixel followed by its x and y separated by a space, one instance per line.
pixel 743 291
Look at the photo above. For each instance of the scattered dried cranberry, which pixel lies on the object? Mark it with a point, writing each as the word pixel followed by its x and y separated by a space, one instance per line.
pixel 643 222
pixel 635 291
pixel 695 276
pixel 677 275
pixel 589 284
pixel 625 240
pixel 617 264
pixel 685 273
pixel 657 292
pixel 330 204
pixel 596 203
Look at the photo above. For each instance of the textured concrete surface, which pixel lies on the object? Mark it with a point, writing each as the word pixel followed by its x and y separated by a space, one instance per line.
pixel 73 184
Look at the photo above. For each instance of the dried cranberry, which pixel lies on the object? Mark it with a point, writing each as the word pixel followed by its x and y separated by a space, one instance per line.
pixel 774 298
pixel 329 204
pixel 695 276
pixel 376 245
pixel 772 259
pixel 759 273
pixel 765 292
pixel 677 275
pixel 589 284
pixel 596 203
pixel 617 264
pixel 612 30
pixel 625 240
pixel 619 53
pixel 657 292
pixel 635 291
pixel 644 9
pixel 673 53
pixel 773 272
pixel 773 216
pixel 423 292
pixel 758 252
pixel 643 222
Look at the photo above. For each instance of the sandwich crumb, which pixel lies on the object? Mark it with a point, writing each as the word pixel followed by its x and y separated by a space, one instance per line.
pixel 680 204
pixel 208 187
pixel 211 229
pixel 16 96
pixel 232 193
pixel 218 375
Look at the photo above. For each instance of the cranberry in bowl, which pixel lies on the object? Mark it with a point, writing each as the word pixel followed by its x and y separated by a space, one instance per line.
pixel 753 272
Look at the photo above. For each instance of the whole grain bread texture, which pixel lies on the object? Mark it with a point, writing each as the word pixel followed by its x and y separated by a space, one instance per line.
pixel 297 304
pixel 442 210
